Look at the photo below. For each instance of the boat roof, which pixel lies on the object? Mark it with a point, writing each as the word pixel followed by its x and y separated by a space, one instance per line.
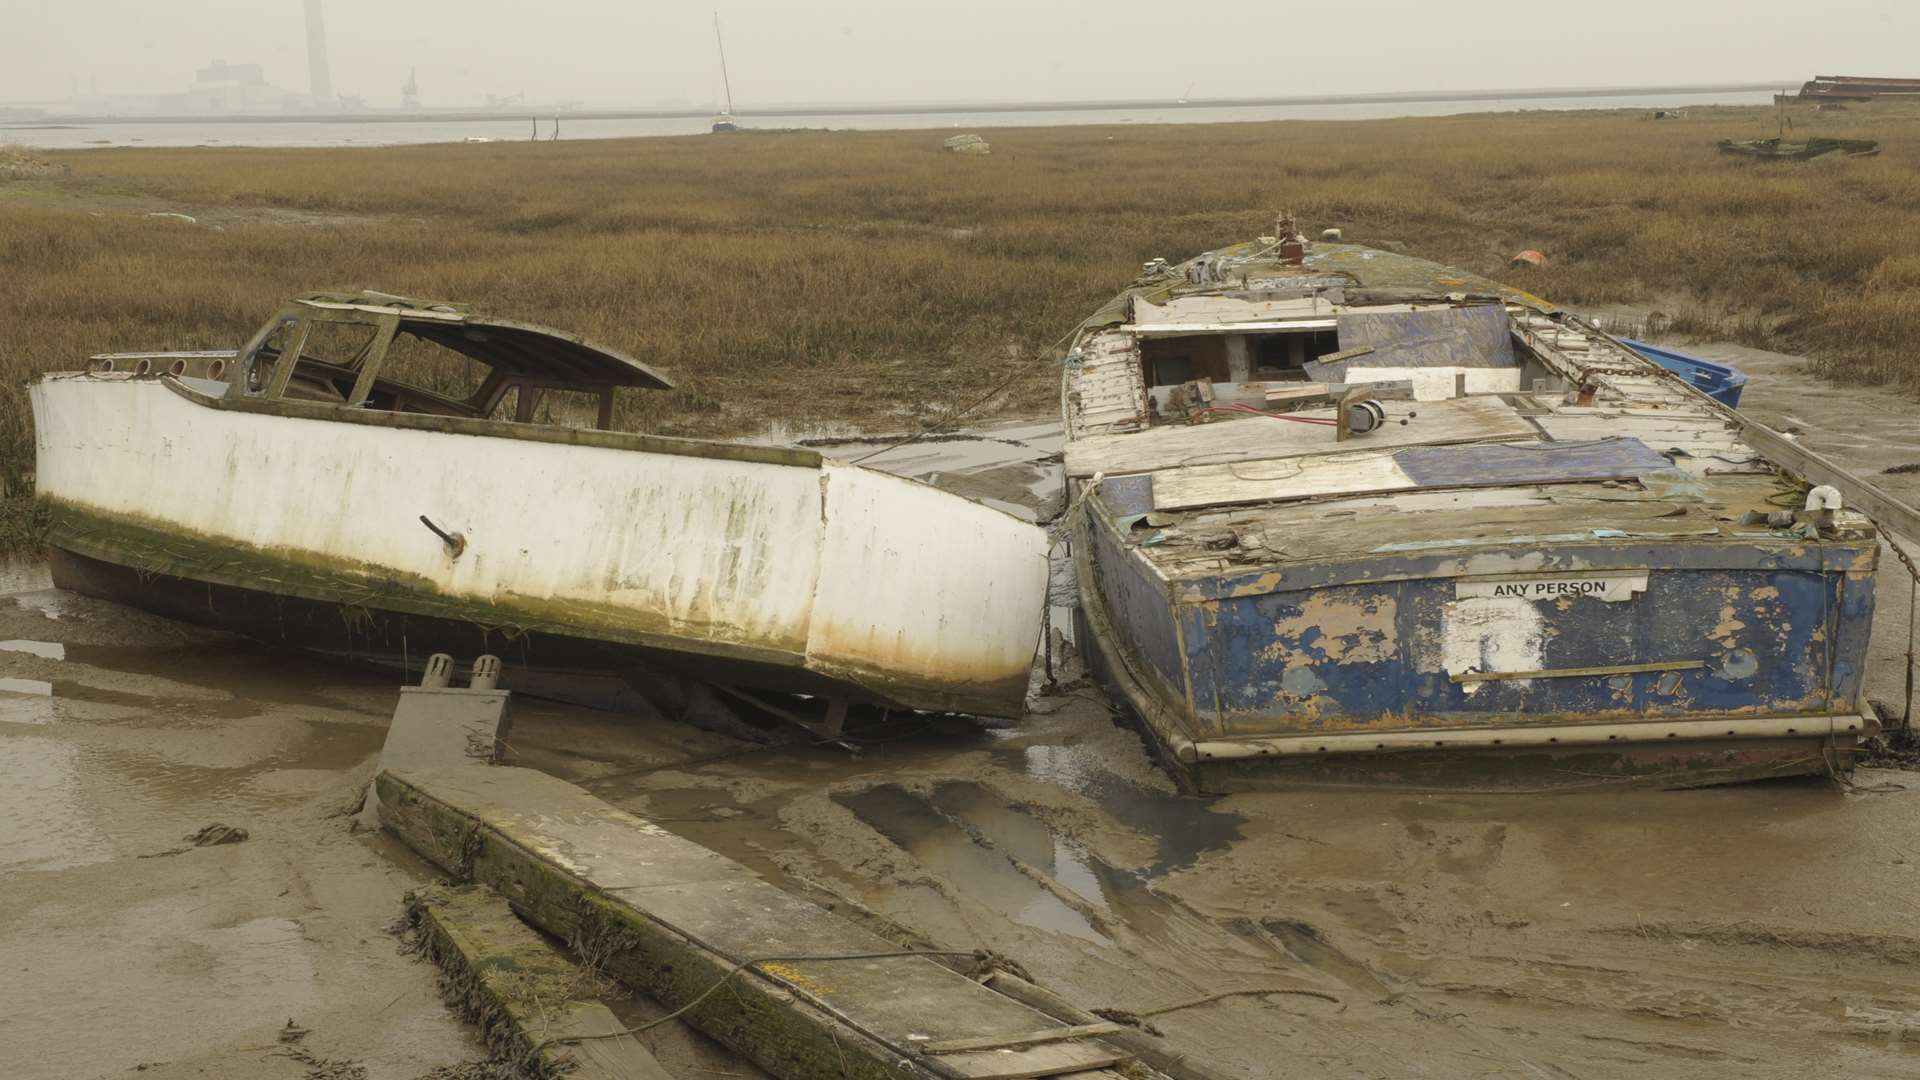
pixel 518 348
pixel 1338 274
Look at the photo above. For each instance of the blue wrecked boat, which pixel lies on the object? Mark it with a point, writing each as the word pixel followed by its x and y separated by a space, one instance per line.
pixel 1339 515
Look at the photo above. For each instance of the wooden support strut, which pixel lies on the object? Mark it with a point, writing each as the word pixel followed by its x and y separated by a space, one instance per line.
pixel 1573 672
pixel 1343 412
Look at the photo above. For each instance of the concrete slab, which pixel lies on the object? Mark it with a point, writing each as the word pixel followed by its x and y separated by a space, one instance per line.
pixel 439 726
pixel 673 919
pixel 535 1005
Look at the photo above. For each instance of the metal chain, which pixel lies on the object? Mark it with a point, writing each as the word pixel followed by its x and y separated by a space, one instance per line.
pixel 1913 599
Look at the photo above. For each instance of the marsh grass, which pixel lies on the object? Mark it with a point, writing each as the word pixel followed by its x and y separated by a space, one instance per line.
pixel 870 277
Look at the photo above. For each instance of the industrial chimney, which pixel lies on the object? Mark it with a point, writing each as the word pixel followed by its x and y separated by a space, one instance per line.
pixel 322 80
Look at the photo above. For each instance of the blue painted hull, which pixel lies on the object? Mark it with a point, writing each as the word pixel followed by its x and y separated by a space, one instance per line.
pixel 1352 649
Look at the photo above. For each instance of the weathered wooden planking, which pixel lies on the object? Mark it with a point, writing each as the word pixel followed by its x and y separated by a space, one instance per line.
pixel 1258 439
pixel 1271 481
pixel 1372 471
pixel 674 918
pixel 1107 389
pixel 529 998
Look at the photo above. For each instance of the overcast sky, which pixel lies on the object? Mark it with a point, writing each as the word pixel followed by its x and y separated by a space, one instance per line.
pixel 636 52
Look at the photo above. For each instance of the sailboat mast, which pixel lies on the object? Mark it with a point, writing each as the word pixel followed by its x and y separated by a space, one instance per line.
pixel 725 83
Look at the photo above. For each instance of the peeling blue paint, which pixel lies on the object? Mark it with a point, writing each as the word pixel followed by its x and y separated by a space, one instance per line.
pixel 1781 630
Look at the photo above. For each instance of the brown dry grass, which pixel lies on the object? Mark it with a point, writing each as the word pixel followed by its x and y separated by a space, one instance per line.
pixel 872 278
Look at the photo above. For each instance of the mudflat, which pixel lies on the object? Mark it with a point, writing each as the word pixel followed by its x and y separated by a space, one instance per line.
pixel 1759 930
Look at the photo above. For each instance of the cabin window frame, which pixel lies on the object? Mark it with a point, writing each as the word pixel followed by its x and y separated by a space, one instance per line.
pixel 298 322
pixel 239 381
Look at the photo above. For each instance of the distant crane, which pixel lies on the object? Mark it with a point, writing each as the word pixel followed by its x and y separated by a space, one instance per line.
pixel 724 121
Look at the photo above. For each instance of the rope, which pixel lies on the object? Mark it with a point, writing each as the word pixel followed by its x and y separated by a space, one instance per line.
pixel 1118 1015
pixel 1913 597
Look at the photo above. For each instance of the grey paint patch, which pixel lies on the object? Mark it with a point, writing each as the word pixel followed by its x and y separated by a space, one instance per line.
pixel 1739 664
pixel 1302 682
pixel 1526 463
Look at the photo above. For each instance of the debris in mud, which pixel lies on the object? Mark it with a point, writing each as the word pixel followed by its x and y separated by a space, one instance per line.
pixel 1897 748
pixel 1901 470
pixel 208 836
pixel 319 1068
pixel 472 1070
pixel 292 1033
pixel 218 833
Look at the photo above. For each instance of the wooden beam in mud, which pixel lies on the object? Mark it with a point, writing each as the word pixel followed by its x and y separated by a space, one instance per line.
pixel 536 1007
pixel 800 991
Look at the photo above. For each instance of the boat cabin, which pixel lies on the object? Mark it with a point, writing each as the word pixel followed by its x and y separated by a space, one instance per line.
pixel 1245 346
pixel 381 352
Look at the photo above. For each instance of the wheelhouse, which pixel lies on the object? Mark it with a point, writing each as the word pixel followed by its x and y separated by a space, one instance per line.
pixel 380 352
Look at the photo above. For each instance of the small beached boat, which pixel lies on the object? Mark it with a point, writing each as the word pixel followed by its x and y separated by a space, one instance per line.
pixel 1342 515
pixel 385 478
pixel 1781 150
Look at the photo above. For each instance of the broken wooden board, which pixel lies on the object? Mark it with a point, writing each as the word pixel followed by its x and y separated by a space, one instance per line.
pixel 535 1006
pixel 673 919
pixel 1255 438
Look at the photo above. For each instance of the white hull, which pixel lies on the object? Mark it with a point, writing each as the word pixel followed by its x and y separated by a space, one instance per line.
pixel 920 597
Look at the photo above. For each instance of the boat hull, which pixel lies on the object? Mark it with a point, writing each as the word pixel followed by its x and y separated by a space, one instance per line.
pixel 763 567
pixel 1243 683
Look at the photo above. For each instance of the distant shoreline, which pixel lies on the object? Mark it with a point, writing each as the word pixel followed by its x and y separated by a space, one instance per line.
pixel 395 116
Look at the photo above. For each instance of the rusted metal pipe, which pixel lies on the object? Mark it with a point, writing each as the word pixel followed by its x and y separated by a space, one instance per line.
pixel 456 542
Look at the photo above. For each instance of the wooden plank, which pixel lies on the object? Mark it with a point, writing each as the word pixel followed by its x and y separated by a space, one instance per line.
pixel 535 1006
pixel 1307 392
pixel 674 918
pixel 1357 473
pixel 1474 419
pixel 1052 1060
pixel 1031 1038
pixel 1571 672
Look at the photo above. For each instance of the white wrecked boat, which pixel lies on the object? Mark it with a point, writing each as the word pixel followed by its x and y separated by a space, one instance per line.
pixel 367 477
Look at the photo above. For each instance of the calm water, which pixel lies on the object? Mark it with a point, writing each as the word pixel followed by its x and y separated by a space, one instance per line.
pixel 384 133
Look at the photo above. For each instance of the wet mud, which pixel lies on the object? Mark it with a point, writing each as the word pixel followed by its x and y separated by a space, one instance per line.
pixel 1761 930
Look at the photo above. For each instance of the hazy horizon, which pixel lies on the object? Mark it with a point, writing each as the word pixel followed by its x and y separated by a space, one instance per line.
pixel 603 54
